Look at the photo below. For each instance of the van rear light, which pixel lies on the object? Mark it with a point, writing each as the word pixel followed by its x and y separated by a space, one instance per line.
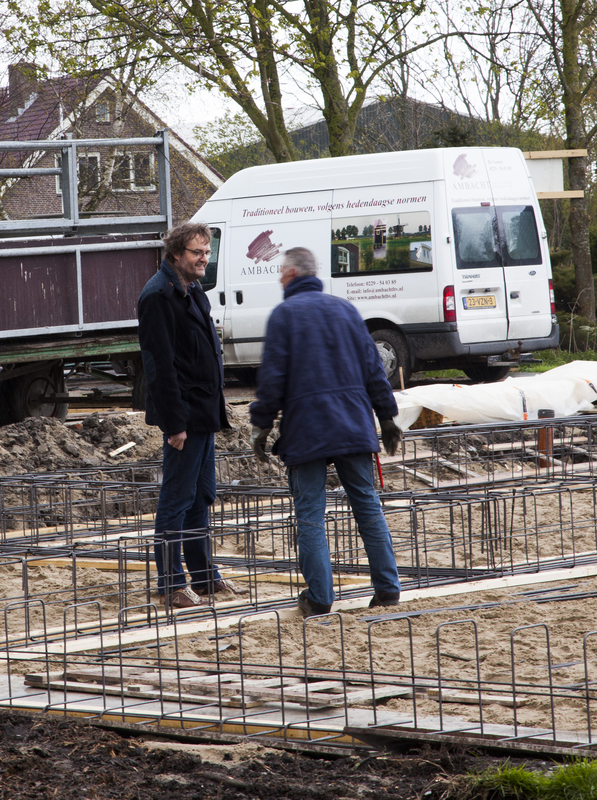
pixel 552 297
pixel 449 304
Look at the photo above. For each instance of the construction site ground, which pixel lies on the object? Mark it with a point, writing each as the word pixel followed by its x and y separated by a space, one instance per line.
pixel 46 756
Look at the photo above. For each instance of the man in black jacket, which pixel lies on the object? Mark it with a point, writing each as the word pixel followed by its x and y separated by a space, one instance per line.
pixel 182 359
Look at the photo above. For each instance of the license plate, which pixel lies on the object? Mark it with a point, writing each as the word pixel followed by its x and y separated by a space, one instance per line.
pixel 482 301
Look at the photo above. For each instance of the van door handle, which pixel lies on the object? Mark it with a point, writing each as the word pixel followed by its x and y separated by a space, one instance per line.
pixel 239 298
pixel 514 295
pixel 222 298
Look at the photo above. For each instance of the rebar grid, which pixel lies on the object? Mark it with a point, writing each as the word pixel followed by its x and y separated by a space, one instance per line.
pixel 60 607
pixel 103 551
pixel 473 455
pixel 265 675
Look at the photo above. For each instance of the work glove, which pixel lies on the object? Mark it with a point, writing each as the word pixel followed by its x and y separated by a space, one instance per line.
pixel 391 436
pixel 258 442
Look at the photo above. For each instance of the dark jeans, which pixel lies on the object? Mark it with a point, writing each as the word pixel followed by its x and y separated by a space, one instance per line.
pixel 188 490
pixel 307 484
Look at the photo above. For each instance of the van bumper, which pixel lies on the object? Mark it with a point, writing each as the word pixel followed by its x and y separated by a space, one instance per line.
pixel 429 342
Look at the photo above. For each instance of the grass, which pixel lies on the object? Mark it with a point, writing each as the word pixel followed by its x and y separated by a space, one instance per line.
pixel 550 358
pixel 576 780
pixel 556 358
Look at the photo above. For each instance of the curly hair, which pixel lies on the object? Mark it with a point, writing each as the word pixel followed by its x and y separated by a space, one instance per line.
pixel 176 239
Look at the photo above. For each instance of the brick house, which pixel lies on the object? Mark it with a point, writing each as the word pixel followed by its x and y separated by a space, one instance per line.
pixel 111 181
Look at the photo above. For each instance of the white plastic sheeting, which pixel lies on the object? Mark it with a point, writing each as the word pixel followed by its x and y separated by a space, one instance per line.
pixel 566 390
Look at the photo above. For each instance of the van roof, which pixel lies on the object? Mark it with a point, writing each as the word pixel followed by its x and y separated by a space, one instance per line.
pixel 406 166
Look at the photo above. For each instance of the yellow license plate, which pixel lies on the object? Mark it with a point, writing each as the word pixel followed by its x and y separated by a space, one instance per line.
pixel 482 301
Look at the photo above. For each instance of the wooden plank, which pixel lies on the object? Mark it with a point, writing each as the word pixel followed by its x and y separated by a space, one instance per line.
pixel 472 698
pixel 576 153
pixel 139 691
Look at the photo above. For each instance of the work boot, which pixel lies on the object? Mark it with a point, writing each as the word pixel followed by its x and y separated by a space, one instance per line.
pixel 384 599
pixel 309 608
pixel 183 598
pixel 223 586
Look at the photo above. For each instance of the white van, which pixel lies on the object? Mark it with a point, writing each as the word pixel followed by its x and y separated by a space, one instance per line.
pixel 443 252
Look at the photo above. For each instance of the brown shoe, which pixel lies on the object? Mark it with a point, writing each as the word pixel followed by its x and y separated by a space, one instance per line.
pixel 185 598
pixel 224 586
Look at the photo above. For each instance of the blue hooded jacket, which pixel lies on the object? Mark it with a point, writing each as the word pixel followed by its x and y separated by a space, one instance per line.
pixel 322 369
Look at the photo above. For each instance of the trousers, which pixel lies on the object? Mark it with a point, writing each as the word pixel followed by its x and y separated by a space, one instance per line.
pixel 188 490
pixel 307 485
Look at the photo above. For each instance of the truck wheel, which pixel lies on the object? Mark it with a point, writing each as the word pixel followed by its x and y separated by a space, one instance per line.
pixel 394 354
pixel 482 373
pixel 19 397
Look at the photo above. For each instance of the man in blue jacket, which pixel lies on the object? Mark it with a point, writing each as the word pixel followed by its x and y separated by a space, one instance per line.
pixel 184 375
pixel 321 368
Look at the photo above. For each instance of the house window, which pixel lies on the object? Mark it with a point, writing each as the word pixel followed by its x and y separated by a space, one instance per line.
pixel 102 112
pixel 134 172
pixel 89 172
pixel 121 175
pixel 144 172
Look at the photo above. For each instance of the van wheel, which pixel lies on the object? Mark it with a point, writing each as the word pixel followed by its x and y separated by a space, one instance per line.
pixel 482 373
pixel 394 354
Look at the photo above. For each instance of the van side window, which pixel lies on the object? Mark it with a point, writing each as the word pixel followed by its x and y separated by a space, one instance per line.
pixel 209 280
pixel 520 239
pixel 476 238
pixel 381 243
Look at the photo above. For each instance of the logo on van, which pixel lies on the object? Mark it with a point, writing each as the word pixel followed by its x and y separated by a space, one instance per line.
pixel 462 169
pixel 262 248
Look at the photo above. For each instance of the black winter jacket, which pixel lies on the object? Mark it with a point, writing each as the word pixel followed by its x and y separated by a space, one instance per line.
pixel 182 357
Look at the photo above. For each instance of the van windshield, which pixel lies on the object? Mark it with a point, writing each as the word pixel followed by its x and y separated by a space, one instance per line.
pixel 209 280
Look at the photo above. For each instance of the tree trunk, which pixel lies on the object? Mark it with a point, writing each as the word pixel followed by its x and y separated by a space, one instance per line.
pixel 572 98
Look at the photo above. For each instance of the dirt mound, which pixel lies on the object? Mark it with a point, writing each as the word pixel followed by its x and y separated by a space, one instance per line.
pixel 43 444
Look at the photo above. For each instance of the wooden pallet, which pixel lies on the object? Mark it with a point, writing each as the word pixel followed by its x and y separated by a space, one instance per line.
pixel 226 688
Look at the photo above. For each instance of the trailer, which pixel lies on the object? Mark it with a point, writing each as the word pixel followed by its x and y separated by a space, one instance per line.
pixel 70 283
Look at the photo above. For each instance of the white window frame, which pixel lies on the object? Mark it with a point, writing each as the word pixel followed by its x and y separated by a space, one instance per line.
pixel 85 156
pixel 128 188
pixel 151 187
pixel 102 118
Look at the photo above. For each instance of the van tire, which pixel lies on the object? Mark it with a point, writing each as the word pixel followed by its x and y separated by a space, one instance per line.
pixel 394 354
pixel 482 373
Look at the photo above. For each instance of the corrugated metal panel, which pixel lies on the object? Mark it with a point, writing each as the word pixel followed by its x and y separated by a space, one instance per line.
pixel 112 286
pixel 38 291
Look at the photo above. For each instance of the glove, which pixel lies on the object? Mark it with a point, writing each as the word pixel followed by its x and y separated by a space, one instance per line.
pixel 258 442
pixel 391 436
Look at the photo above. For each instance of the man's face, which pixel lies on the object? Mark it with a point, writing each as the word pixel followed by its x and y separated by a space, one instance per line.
pixel 288 273
pixel 191 263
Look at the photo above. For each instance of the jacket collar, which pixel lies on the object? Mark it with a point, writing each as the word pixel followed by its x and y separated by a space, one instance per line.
pixel 304 283
pixel 168 270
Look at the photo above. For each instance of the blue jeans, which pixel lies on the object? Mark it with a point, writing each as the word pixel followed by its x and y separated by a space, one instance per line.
pixel 307 484
pixel 188 490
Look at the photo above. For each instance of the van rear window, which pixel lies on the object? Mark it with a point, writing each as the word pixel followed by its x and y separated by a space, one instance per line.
pixel 382 243
pixel 494 237
pixel 520 239
pixel 476 238
pixel 209 280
